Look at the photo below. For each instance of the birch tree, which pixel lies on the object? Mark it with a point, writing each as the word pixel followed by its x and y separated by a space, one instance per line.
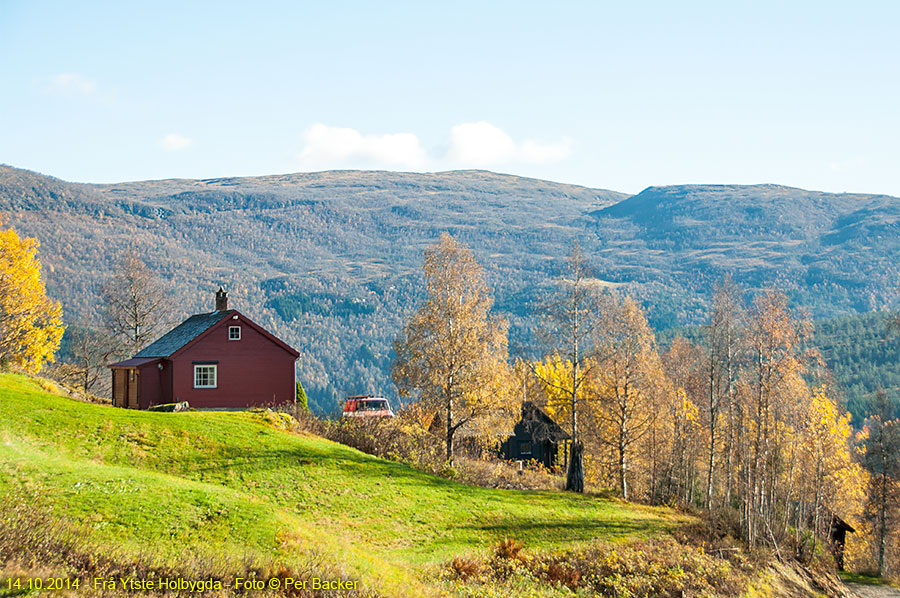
pixel 775 339
pixel 134 304
pixel 453 351
pixel 629 375
pixel 570 326
pixel 882 460
pixel 725 346
pixel 30 323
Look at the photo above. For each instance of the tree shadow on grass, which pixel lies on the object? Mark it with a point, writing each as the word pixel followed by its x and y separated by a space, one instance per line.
pixel 572 530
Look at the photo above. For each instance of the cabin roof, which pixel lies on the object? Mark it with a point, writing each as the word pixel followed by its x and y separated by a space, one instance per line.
pixel 183 334
pixel 540 425
pixel 134 362
pixel 838 523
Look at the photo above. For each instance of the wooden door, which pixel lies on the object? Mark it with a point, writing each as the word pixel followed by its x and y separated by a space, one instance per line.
pixel 133 389
pixel 120 387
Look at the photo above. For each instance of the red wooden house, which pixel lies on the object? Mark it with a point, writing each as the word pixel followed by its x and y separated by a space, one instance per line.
pixel 218 360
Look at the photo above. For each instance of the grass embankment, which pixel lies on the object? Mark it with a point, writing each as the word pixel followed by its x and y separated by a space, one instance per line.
pixel 867 580
pixel 170 486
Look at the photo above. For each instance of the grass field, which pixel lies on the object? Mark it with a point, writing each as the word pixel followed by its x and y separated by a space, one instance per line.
pixel 170 486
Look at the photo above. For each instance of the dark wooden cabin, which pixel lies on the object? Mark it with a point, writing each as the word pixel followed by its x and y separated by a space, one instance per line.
pixel 834 535
pixel 838 536
pixel 216 360
pixel 535 437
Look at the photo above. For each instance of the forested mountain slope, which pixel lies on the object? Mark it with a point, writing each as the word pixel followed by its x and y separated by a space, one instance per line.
pixel 331 261
pixel 861 353
pixel 834 253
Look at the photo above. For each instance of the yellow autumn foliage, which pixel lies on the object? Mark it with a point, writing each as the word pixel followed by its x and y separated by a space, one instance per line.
pixel 30 323
pixel 834 477
pixel 555 375
pixel 452 352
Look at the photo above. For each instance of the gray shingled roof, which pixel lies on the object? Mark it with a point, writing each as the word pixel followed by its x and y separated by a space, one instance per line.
pixel 183 334
pixel 540 425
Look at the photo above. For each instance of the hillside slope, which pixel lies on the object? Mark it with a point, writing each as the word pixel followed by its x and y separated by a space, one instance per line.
pixel 331 261
pixel 187 488
pixel 833 253
pixel 860 351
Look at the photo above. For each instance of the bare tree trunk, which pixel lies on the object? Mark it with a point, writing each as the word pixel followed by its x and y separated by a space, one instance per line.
pixel 574 402
pixel 575 475
pixel 623 465
pixel 789 492
pixel 730 445
pixel 623 441
pixel 711 460
pixel 450 429
pixel 882 523
pixel 654 497
pixel 817 497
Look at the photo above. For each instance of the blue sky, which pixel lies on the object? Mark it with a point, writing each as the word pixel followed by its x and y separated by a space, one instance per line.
pixel 607 94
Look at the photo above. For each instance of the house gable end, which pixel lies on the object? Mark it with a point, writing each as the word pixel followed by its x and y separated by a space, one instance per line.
pixel 229 320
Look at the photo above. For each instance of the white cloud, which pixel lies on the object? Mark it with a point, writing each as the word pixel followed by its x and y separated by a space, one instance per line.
pixel 337 145
pixel 72 84
pixel 174 142
pixel 483 144
pixel 475 144
pixel 480 143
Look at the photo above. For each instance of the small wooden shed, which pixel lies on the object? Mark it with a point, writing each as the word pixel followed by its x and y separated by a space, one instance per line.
pixel 838 536
pixel 536 437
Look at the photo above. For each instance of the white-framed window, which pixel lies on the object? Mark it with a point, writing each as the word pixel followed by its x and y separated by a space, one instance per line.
pixel 234 333
pixel 205 376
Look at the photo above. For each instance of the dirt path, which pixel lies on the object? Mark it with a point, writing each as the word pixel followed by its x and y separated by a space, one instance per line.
pixel 864 591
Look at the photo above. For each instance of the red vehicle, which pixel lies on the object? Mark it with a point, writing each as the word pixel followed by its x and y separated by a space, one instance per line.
pixel 367 406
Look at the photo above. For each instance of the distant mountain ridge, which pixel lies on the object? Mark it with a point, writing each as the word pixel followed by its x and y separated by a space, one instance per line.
pixel 331 261
pixel 779 210
pixel 833 252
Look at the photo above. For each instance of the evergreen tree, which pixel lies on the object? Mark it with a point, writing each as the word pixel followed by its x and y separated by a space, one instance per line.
pixel 302 401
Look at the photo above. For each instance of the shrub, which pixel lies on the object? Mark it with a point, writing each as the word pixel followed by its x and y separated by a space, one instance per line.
pixel 638 569
pixel 464 568
pixel 508 548
pixel 405 439
pixel 561 572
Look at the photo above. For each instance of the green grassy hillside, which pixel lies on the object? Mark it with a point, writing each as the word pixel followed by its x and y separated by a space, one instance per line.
pixel 175 487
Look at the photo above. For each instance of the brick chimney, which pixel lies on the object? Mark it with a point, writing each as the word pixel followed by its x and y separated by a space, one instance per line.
pixel 221 300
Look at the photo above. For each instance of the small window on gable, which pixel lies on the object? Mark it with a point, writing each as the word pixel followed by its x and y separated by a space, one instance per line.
pixel 234 333
pixel 205 376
